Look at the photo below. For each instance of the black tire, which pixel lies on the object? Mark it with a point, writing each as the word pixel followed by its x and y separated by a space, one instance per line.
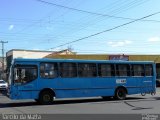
pixel 46 98
pixel 120 94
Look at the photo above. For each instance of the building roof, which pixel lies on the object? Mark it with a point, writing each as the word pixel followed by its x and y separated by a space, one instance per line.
pixel 64 52
pixel 29 50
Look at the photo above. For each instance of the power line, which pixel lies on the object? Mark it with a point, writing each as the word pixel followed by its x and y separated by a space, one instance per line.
pixel 121 8
pixel 107 30
pixel 79 10
pixel 93 13
pixel 130 5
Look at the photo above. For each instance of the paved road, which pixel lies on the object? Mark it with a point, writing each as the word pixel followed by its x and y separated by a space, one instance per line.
pixel 133 105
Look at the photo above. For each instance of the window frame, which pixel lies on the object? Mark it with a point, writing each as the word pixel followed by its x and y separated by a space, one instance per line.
pixel 76 69
pixel 111 71
pixel 57 66
pixel 23 66
pixel 132 70
pixel 128 70
pixel 149 71
pixel 95 67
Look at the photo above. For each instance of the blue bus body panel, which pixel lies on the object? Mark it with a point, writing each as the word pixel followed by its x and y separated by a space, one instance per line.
pixel 81 87
pixel 90 87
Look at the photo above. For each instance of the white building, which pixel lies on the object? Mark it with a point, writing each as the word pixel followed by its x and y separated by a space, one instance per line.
pixel 19 53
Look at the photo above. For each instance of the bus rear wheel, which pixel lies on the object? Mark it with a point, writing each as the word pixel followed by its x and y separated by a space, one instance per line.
pixel 120 94
pixel 46 98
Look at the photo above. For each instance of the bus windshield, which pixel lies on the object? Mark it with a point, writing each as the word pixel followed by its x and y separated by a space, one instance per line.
pixel 24 73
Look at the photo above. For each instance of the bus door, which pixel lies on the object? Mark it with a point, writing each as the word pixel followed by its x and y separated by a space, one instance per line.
pixel 24 81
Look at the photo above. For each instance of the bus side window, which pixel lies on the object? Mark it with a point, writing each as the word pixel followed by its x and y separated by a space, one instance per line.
pixel 87 70
pixel 122 70
pixel 106 70
pixel 137 70
pixel 68 70
pixel 148 70
pixel 48 70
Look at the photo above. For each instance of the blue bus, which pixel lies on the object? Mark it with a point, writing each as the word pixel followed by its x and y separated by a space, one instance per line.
pixel 46 79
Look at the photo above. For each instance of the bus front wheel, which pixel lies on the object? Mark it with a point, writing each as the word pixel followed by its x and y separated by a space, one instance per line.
pixel 46 97
pixel 120 94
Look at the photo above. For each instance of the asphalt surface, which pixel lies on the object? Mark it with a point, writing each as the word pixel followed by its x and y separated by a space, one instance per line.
pixel 134 104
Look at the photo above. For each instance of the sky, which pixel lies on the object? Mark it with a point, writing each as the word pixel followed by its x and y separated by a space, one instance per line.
pixel 48 24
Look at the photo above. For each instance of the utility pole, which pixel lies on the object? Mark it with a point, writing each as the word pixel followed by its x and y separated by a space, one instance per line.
pixel 3 42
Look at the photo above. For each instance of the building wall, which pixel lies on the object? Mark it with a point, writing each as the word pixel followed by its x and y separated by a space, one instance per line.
pixel 33 54
pixel 155 58
pixel 77 56
pixel 29 54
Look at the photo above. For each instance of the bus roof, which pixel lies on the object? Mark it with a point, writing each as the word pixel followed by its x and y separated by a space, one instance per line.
pixel 79 60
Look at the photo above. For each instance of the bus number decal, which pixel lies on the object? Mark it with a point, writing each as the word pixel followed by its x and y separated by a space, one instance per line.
pixel 118 81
